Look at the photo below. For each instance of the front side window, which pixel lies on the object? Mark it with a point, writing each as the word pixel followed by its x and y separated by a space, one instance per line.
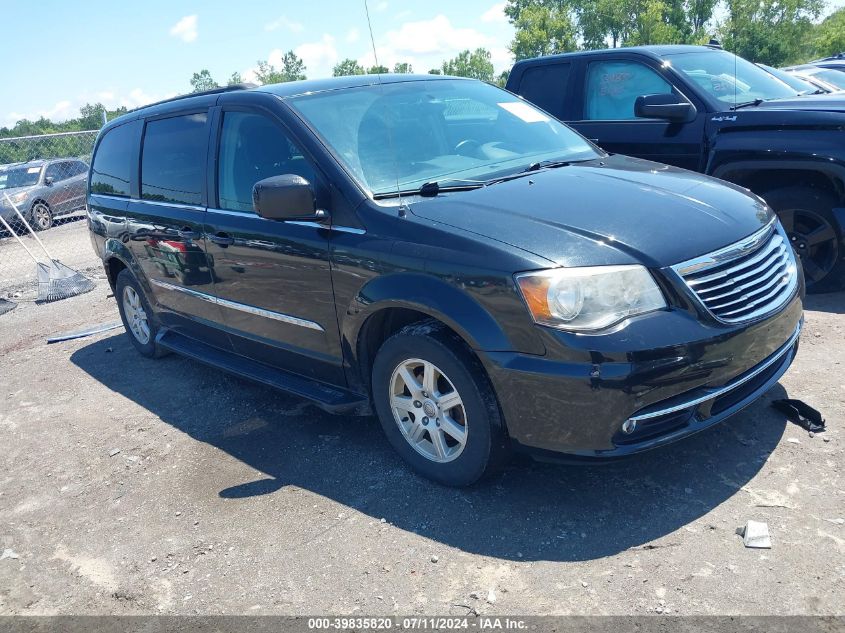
pixel 173 159
pixel 612 89
pixel 23 176
pixel 398 136
pixel 252 148
pixel 58 171
pixel 113 161
pixel 730 79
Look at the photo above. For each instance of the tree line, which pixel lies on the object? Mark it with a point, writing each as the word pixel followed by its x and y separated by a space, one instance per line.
pixel 774 32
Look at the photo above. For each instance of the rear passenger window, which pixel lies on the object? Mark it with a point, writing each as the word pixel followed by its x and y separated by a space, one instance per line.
pixel 613 87
pixel 113 161
pixel 252 148
pixel 545 86
pixel 173 159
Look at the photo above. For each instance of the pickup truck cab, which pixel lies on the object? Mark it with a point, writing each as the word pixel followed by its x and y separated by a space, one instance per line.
pixel 707 110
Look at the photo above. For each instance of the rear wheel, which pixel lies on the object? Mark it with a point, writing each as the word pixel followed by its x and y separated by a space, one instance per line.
pixel 807 217
pixel 436 406
pixel 137 316
pixel 41 218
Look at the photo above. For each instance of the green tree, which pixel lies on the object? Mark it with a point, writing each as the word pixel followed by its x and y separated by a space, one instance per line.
pixel 543 30
pixel 603 21
pixel 347 67
pixel 235 79
pixel 435 71
pixel 652 23
pixel 774 32
pixel 475 64
pixel 403 68
pixel 291 69
pixel 502 79
pixel 378 70
pixel 829 36
pixel 202 81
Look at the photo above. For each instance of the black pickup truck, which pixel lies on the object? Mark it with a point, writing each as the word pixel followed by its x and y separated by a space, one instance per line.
pixel 704 109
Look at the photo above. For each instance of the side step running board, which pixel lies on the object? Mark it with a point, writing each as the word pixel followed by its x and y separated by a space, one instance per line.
pixel 332 399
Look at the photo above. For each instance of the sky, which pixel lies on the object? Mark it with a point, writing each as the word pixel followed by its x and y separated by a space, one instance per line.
pixel 132 53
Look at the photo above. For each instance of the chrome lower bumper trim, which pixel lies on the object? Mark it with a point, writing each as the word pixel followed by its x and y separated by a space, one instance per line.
pixel 720 391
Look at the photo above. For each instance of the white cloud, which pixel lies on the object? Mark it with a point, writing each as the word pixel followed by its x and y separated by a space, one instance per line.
pixel 185 29
pixel 426 44
pixel 352 35
pixel 382 6
pixel 496 13
pixel 283 22
pixel 319 57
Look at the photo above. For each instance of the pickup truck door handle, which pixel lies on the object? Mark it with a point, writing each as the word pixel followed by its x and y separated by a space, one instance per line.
pixel 222 239
pixel 187 234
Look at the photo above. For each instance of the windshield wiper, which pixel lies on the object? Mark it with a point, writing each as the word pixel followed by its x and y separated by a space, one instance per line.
pixel 544 164
pixel 748 104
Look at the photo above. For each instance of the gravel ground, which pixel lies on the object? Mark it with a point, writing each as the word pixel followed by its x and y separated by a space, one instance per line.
pixel 134 486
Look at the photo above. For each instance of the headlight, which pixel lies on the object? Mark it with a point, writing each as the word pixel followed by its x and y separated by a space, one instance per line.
pixel 590 298
pixel 19 197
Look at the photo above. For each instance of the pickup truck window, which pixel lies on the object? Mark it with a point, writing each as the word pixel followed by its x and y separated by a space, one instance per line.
pixel 253 148
pixel 613 87
pixel 399 136
pixel 729 78
pixel 545 86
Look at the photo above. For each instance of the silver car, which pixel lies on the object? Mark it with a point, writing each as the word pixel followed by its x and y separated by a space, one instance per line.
pixel 43 190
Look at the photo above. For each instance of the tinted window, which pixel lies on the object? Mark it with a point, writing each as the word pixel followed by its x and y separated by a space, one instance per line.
pixel 253 148
pixel 613 87
pixel 59 171
pixel 545 86
pixel 113 161
pixel 173 159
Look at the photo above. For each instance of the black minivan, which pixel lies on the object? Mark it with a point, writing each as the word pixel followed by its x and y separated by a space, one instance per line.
pixel 444 254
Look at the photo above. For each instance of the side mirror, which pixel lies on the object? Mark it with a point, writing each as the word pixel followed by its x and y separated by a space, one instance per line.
pixel 669 107
pixel 286 197
pixel 49 180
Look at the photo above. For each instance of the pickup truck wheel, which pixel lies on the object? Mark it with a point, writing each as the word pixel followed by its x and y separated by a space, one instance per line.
pixel 807 217
pixel 436 406
pixel 138 318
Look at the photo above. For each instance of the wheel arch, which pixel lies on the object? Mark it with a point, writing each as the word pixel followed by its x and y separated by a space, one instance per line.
pixel 760 175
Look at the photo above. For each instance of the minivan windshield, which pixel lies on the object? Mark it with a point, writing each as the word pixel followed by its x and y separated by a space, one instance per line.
pixel 19 177
pixel 398 136
pixel 730 79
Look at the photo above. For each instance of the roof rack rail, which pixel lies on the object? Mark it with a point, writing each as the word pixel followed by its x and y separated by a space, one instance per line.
pixel 213 91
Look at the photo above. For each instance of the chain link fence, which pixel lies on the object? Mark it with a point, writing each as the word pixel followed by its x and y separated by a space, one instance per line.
pixel 44 178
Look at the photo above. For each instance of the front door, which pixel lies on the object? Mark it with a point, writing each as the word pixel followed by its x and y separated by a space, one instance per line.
pixel 272 279
pixel 610 90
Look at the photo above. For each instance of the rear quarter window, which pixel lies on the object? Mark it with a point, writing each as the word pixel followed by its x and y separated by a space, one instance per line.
pixel 173 159
pixel 112 165
pixel 545 86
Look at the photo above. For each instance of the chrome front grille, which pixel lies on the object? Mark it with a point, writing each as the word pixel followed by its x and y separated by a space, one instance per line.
pixel 746 280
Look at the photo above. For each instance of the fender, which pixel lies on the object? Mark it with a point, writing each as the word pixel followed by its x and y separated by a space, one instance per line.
pixel 834 171
pixel 115 249
pixel 455 307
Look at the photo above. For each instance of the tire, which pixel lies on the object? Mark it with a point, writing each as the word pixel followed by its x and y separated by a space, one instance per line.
pixel 425 435
pixel 807 216
pixel 40 216
pixel 130 301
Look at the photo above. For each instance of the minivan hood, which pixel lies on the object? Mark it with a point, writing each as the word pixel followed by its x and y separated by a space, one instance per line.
pixel 614 210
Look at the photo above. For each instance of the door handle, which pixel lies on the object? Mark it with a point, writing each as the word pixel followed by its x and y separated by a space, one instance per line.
pixel 187 234
pixel 222 239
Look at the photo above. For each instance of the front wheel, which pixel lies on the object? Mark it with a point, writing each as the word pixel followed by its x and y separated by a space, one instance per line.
pixel 436 406
pixel 807 217
pixel 41 217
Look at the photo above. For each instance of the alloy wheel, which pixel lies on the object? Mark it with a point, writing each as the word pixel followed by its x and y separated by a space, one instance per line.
pixel 41 216
pixel 814 240
pixel 136 316
pixel 428 410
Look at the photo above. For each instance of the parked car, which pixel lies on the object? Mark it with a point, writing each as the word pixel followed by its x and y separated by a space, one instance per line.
pixel 800 86
pixel 704 109
pixel 826 78
pixel 449 256
pixel 833 62
pixel 43 190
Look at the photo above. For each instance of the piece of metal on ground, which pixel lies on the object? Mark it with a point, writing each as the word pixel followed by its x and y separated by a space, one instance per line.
pixel 68 336
pixel 7 306
pixel 755 534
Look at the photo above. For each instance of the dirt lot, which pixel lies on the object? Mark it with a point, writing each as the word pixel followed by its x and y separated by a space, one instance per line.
pixel 130 485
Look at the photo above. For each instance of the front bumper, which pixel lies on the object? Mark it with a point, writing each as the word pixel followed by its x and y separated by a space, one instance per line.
pixel 669 373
